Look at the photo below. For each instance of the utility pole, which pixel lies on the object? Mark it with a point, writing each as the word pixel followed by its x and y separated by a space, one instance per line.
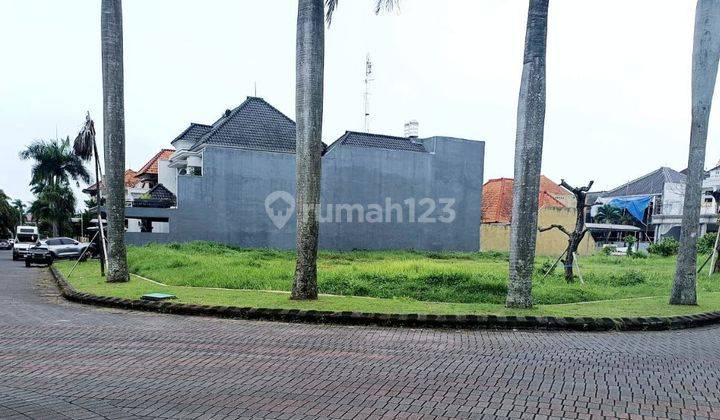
pixel 368 79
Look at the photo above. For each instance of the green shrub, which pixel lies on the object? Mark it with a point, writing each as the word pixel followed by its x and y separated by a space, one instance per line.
pixel 667 247
pixel 639 254
pixel 706 243
pixel 608 250
pixel 630 240
pixel 546 267
pixel 628 278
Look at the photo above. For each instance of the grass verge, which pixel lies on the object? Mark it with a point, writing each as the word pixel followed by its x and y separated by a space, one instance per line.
pixel 422 276
pixel 86 278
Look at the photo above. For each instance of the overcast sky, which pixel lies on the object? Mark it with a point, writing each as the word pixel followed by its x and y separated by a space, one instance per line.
pixel 618 81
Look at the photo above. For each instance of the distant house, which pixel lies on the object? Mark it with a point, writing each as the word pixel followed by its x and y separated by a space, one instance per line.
pixel 654 200
pixel 133 187
pixel 148 174
pixel 498 198
pixel 223 175
pixel 142 189
pixel 556 206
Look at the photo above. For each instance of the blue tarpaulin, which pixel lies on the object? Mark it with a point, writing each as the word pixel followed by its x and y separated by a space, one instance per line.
pixel 635 206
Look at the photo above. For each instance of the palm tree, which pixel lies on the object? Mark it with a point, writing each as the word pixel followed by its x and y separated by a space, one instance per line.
pixel 55 205
pixel 114 137
pixel 55 163
pixel 20 208
pixel 55 166
pixel 706 52
pixel 528 158
pixel 607 214
pixel 8 216
pixel 309 68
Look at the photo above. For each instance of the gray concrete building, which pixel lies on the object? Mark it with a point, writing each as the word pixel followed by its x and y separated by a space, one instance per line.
pixel 234 183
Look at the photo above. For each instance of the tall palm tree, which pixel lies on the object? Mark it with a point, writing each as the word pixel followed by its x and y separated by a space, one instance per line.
pixel 309 68
pixel 20 208
pixel 55 166
pixel 309 73
pixel 114 137
pixel 706 52
pixel 55 163
pixel 528 158
pixel 55 205
pixel 8 216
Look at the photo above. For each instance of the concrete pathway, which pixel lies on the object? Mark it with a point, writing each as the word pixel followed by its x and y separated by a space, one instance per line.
pixel 61 360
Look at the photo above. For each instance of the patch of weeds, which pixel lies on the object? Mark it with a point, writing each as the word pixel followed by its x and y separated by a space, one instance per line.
pixel 628 278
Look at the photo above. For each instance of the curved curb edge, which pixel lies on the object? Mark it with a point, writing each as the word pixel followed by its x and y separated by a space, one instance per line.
pixel 393 320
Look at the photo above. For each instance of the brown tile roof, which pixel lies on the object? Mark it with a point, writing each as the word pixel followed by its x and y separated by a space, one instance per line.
pixel 130 181
pixel 498 198
pixel 131 178
pixel 152 166
pixel 547 185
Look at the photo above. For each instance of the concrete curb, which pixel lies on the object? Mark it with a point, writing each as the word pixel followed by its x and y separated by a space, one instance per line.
pixel 394 320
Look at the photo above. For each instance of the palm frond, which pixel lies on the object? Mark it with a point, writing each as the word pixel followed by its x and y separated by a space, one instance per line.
pixel 330 6
pixel 83 146
pixel 388 5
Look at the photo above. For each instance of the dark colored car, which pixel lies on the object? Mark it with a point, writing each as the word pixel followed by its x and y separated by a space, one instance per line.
pixel 38 255
pixel 5 244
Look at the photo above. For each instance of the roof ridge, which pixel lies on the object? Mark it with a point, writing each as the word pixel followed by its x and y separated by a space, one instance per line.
pixel 636 179
pixel 271 106
pixel 379 135
pixel 233 113
pixel 339 140
pixel 205 136
pixel 149 163
pixel 187 130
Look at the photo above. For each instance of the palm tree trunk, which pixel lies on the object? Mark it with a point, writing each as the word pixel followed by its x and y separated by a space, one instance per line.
pixel 114 137
pixel 309 112
pixel 528 158
pixel 706 51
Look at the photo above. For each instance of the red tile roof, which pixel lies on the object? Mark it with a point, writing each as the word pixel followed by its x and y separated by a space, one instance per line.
pixel 152 166
pixel 130 181
pixel 131 178
pixel 547 185
pixel 498 198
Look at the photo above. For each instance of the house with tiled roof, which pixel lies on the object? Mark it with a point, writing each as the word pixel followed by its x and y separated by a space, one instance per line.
pixel 378 191
pixel 655 201
pixel 498 198
pixel 148 173
pixel 556 205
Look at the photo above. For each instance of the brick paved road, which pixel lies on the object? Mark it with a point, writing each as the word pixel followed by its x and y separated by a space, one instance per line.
pixel 62 360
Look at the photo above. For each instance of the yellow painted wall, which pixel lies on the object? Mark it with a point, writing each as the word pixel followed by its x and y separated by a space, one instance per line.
pixel 496 237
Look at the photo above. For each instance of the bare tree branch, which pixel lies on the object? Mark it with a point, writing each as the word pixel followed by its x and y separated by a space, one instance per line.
pixel 561 228
pixel 576 190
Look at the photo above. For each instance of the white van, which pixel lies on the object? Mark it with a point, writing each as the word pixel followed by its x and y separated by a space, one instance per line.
pixel 26 237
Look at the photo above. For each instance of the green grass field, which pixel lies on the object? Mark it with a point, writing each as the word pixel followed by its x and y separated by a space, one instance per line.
pixel 397 281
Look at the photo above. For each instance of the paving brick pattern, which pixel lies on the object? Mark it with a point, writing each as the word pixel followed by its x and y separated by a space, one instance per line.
pixel 62 360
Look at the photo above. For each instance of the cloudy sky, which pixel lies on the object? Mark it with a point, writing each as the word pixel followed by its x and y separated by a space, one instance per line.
pixel 618 76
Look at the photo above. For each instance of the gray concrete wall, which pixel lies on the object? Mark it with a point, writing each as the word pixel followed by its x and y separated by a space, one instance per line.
pixel 227 203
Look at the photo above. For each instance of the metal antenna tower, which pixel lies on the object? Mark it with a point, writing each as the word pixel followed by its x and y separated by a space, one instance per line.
pixel 368 79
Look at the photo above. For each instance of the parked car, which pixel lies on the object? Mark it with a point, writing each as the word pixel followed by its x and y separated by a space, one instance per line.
pixel 5 244
pixel 38 255
pixel 64 247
